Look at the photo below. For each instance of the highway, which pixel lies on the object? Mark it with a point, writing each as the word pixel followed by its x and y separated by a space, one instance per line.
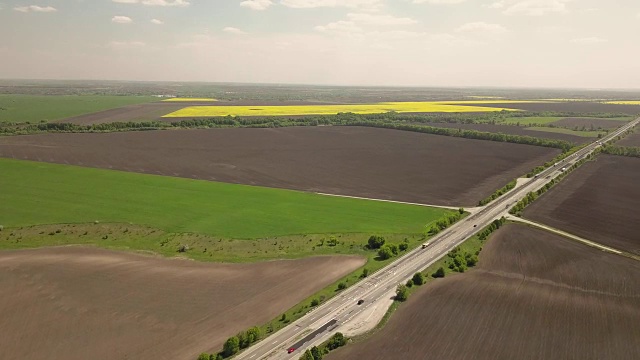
pixel 333 316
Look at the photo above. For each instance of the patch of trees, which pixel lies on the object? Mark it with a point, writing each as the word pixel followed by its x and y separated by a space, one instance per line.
pixel 459 261
pixel 234 344
pixel 375 242
pixel 505 189
pixel 317 353
pixel 621 150
pixel 495 225
pixel 314 353
pixel 445 222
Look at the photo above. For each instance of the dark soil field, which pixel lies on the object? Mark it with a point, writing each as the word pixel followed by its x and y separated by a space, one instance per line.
pixel 588 123
pixel 630 140
pixel 534 295
pixel 356 161
pixel 513 130
pixel 143 112
pixel 576 106
pixel 598 201
pixel 75 303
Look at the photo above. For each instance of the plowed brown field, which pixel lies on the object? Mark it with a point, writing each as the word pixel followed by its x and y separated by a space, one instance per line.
pixel 589 123
pixel 534 295
pixel 598 201
pixel 514 130
pixel 83 303
pixel 630 140
pixel 367 162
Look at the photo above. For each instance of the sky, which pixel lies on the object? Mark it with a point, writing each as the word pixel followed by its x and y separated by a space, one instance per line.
pixel 501 43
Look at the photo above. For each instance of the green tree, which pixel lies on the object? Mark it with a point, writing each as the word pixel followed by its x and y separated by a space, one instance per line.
pixel 394 248
pixel 409 283
pixel 231 346
pixel 204 356
pixel 342 286
pixel 365 273
pixel 403 246
pixel 376 242
pixel 385 252
pixel 253 335
pixel 402 293
pixel 418 278
pixel 336 341
pixel 307 356
pixel 438 273
pixel 315 302
pixel 317 353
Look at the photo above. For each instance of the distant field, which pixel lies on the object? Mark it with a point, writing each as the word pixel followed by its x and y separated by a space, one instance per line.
pixel 531 120
pixel 533 295
pixel 566 131
pixel 624 102
pixel 401 107
pixel 186 99
pixel 69 194
pixel 37 108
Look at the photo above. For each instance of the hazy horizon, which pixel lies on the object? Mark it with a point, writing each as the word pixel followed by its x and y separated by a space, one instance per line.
pixel 524 44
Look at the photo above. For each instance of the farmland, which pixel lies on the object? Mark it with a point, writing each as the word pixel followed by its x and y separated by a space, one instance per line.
pixel 189 100
pixel 534 295
pixel 275 110
pixel 84 303
pixel 630 140
pixel 598 202
pixel 366 162
pixel 36 108
pixel 574 106
pixel 513 130
pixel 70 194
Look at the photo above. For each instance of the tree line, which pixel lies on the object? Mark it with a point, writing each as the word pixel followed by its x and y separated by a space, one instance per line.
pixel 621 150
pixel 505 189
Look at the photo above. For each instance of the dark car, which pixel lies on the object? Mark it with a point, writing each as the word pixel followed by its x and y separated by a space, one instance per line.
pixel 291 350
pixel 360 302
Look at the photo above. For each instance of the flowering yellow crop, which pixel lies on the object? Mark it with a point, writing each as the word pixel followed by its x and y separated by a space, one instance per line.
pixel 280 110
pixel 624 102
pixel 188 99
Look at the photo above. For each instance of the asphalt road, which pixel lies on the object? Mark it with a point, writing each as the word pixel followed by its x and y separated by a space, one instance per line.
pixel 331 317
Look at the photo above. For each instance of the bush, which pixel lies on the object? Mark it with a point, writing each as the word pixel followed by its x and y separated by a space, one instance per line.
pixel 402 293
pixel 385 252
pixel 438 273
pixel 403 246
pixel 204 356
pixel 365 273
pixel 418 278
pixel 336 341
pixel 342 286
pixel 231 346
pixel 375 242
pixel 409 283
pixel 315 302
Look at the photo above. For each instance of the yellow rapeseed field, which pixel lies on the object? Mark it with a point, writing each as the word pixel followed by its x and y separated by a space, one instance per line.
pixel 400 107
pixel 188 99
pixel 624 102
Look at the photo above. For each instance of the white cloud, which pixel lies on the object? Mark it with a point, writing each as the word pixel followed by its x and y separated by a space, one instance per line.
pixel 166 3
pixel 589 40
pixel 35 8
pixel 157 22
pixel 375 19
pixel 307 4
pixel 531 7
pixel 121 19
pixel 439 2
pixel 256 4
pixel 233 30
pixel 344 27
pixel 482 27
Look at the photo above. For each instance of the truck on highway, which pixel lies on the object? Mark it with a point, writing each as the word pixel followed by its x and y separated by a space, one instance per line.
pixel 424 246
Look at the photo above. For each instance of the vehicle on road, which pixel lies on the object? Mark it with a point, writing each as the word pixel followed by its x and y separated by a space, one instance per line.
pixel 360 302
pixel 474 225
pixel 290 350
pixel 424 246
pixel 563 169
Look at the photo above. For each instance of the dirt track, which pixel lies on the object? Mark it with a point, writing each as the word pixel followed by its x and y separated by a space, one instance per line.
pixel 367 162
pixel 598 201
pixel 514 130
pixel 84 303
pixel 535 295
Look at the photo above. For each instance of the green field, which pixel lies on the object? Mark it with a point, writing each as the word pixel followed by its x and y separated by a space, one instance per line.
pixel 40 193
pixel 530 120
pixel 37 108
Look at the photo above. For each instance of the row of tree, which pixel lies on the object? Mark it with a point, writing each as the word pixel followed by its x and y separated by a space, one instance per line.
pixel 505 189
pixel 445 222
pixel 317 353
pixel 621 150
pixel 234 344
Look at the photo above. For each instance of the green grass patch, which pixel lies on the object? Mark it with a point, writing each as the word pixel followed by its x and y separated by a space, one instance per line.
pixel 37 108
pixel 537 120
pixel 567 131
pixel 40 193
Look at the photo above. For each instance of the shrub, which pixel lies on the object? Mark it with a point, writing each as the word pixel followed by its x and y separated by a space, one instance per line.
pixel 402 293
pixel 376 242
pixel 438 273
pixel 342 286
pixel 418 278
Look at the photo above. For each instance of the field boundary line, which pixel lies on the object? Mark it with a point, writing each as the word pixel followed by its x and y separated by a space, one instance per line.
pixel 396 202
pixel 565 234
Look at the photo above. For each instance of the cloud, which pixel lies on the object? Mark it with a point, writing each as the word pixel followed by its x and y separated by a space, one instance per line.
pixel 530 7
pixel 233 30
pixel 439 2
pixel 343 27
pixel 307 4
pixel 121 19
pixel 256 4
pixel 157 22
pixel 35 8
pixel 589 40
pixel 374 19
pixel 482 27
pixel 166 3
